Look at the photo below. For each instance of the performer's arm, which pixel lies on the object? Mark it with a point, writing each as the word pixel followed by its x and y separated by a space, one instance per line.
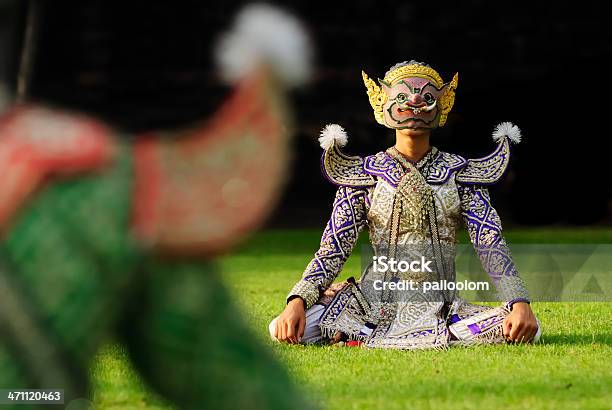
pixel 347 220
pixel 484 226
pixel 485 230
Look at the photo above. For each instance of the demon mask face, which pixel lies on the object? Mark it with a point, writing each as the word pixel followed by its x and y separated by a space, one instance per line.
pixel 412 95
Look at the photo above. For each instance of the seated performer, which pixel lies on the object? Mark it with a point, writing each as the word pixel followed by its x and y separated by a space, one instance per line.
pixel 412 198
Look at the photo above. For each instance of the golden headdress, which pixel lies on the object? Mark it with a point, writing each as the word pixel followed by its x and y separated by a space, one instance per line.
pixel 378 97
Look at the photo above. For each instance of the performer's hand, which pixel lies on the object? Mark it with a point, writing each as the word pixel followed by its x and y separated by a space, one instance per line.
pixel 520 325
pixel 291 323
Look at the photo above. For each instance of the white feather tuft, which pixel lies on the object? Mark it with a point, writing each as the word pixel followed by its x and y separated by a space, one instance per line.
pixel 333 134
pixel 507 129
pixel 264 34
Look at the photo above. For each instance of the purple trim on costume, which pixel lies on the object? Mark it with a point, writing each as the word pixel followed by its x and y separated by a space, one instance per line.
pixel 443 166
pixel 488 183
pixel 338 238
pixel 484 227
pixel 354 174
pixel 487 170
pixel 324 171
pixel 383 166
pixel 455 318
pixel 496 152
pixel 474 328
pixel 424 332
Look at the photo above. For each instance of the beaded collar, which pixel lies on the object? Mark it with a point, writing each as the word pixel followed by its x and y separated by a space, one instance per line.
pixel 421 164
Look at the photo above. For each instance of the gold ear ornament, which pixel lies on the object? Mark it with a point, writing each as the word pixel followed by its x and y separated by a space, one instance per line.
pixel 377 96
pixel 447 99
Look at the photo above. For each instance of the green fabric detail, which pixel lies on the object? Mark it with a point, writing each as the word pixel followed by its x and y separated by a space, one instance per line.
pixel 83 277
pixel 190 342
pixel 71 256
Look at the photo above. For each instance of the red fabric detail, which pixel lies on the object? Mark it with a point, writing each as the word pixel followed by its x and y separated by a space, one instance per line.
pixel 147 187
pixel 200 192
pixel 353 343
pixel 36 143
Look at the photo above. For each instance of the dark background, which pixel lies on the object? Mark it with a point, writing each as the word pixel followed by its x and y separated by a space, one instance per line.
pixel 145 65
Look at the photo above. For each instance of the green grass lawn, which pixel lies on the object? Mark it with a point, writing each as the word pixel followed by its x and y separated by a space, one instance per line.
pixel 571 368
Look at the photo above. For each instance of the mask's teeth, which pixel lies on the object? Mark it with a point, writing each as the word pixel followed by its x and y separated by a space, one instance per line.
pixel 430 107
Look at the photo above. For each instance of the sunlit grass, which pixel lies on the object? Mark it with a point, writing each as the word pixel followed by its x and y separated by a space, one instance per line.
pixel 569 369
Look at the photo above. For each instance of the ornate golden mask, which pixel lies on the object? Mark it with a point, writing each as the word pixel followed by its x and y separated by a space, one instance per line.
pixel 378 94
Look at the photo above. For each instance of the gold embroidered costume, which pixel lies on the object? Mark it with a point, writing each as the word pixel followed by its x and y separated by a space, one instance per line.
pixel 407 208
pixel 412 212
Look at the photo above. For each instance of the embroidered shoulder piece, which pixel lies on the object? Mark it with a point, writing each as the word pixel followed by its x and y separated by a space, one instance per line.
pixel 381 165
pixel 487 170
pixel 443 166
pixel 345 170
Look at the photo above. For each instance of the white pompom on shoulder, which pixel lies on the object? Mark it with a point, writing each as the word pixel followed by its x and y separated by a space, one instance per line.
pixel 265 34
pixel 507 129
pixel 333 134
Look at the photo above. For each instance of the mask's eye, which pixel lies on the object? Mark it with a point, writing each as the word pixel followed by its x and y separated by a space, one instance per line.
pixel 429 99
pixel 401 98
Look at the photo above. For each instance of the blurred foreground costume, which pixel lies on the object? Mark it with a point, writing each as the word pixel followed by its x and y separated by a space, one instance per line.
pixel 411 210
pixel 92 225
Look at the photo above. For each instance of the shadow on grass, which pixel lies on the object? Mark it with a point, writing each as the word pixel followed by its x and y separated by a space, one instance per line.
pixel 578 339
